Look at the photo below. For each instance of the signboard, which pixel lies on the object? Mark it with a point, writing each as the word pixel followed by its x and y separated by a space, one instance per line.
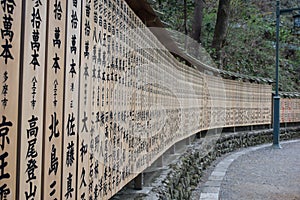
pixel 10 45
pixel 71 98
pixel 33 84
pixel 53 125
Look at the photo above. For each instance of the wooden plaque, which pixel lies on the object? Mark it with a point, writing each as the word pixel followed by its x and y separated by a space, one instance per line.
pixel 9 98
pixel 71 121
pixel 53 127
pixel 33 80
pixel 85 101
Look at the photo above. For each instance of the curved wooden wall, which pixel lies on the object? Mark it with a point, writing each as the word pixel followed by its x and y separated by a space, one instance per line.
pixel 289 110
pixel 90 98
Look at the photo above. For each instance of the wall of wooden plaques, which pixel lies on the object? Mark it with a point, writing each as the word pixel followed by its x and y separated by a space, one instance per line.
pixel 289 110
pixel 90 98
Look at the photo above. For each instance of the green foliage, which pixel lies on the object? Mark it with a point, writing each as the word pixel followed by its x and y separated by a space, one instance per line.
pixel 250 43
pixel 250 46
pixel 208 25
pixel 173 13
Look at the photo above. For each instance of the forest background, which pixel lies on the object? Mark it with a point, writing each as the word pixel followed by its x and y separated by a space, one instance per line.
pixel 239 35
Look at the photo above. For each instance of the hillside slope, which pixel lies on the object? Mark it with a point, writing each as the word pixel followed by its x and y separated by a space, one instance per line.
pixel 250 44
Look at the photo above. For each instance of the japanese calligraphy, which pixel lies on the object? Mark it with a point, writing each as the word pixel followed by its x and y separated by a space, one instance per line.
pixel 35 44
pixel 70 188
pixel 7 33
pixel 4 190
pixel 4 130
pixel 71 98
pixel 57 10
pixel 70 154
pixel 5 87
pixel 54 161
pixel 6 54
pixel 74 19
pixel 71 125
pixel 55 65
pixel 56 40
pixel 72 70
pixel 33 93
pixel 53 127
pixel 31 155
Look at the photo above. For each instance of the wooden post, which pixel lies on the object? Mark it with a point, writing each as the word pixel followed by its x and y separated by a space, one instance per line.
pixel 188 141
pixel 173 149
pixel 138 182
pixel 160 161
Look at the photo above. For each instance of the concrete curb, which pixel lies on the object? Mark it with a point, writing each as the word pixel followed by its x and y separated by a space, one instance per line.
pixel 211 189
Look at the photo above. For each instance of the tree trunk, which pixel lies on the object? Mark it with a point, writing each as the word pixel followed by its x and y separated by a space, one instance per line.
pixel 221 28
pixel 185 17
pixel 197 21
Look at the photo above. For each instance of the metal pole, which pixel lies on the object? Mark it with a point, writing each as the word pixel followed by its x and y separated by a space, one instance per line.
pixel 276 120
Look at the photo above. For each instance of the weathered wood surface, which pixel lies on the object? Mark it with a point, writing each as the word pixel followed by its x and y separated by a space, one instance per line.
pixel 90 98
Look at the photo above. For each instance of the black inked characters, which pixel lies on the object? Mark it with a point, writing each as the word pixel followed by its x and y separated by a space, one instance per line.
pixel 31 193
pixel 52 186
pixel 84 120
pixel 55 65
pixel 74 19
pixel 55 86
pixel 35 43
pixel 73 44
pixel 54 161
pixel 53 127
pixel 4 130
pixel 56 40
pixel 72 70
pixel 6 54
pixel 57 10
pixel 7 33
pixel 71 125
pixel 70 188
pixel 31 154
pixel 33 93
pixel 70 154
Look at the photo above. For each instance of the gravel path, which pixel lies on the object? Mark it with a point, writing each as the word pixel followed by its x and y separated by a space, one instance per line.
pixel 265 174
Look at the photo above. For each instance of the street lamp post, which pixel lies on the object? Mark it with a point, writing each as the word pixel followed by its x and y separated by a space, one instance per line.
pixel 276 119
pixel 297 20
pixel 297 24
